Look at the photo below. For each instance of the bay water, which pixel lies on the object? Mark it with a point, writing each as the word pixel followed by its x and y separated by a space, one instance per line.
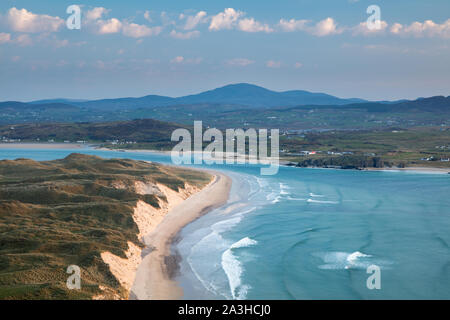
pixel 311 233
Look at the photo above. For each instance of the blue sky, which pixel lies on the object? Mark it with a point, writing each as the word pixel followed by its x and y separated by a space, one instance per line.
pixel 135 48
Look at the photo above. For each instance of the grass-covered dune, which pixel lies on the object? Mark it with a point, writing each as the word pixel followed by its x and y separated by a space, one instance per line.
pixel 67 212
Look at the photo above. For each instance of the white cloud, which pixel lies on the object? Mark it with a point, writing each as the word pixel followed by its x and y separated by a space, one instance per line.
pixel 96 13
pixel 273 64
pixel 184 35
pixel 251 25
pixel 193 21
pixel 298 65
pixel 363 29
pixel 178 59
pixel 325 27
pixel 293 25
pixel 5 37
pixel 26 21
pixel 139 30
pixel 427 28
pixel 396 27
pixel 112 25
pixel 322 28
pixel 225 20
pixel 241 62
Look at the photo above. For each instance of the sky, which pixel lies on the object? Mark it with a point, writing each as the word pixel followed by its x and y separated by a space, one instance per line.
pixel 178 47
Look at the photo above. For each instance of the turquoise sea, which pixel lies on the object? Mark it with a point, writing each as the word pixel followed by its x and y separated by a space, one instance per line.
pixel 312 233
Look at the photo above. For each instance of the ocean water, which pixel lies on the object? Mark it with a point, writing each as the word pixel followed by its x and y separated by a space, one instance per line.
pixel 312 234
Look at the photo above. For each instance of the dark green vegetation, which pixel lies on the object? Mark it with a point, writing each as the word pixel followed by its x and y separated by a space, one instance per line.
pixel 147 133
pixel 374 148
pixel 58 213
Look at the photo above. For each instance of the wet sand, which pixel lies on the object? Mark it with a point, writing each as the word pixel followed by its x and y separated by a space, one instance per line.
pixel 154 277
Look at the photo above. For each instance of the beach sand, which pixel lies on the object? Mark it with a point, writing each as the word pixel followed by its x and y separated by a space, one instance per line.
pixel 154 275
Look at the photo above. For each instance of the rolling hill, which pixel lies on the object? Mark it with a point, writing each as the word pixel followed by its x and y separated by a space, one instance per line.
pixel 242 94
pixel 234 106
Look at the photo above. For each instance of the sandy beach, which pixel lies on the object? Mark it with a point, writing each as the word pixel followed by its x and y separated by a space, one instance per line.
pixel 154 275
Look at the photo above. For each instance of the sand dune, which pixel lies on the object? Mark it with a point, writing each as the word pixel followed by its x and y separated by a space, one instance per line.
pixel 154 274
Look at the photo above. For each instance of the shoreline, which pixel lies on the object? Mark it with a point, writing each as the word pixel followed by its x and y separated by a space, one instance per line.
pixel 282 162
pixel 154 276
pixel 413 169
pixel 42 145
pixel 285 163
pixel 428 170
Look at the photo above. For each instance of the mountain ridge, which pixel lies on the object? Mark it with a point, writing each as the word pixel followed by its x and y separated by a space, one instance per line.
pixel 234 94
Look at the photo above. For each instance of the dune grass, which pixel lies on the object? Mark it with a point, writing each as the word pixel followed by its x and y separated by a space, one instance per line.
pixel 57 213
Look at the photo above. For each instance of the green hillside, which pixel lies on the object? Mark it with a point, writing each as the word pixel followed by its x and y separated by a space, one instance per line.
pixel 57 213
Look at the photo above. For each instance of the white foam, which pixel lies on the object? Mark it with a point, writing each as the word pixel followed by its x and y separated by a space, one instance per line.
pixel 233 268
pixel 207 249
pixel 344 260
pixel 296 199
pixel 322 201
pixel 355 255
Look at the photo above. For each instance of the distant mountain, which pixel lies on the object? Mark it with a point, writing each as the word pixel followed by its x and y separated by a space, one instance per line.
pixel 14 106
pixel 242 94
pixel 248 94
pixel 240 105
pixel 432 104
pixel 58 100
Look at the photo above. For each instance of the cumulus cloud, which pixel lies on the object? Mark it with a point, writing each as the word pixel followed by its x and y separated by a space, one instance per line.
pixel 96 13
pixel 95 19
pixel 325 27
pixel 25 21
pixel 193 21
pixel 273 64
pixel 225 20
pixel 5 37
pixel 427 28
pixel 112 25
pixel 363 29
pixel 293 25
pixel 251 25
pixel 184 35
pixel 139 31
pixel 322 28
pixel 241 62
